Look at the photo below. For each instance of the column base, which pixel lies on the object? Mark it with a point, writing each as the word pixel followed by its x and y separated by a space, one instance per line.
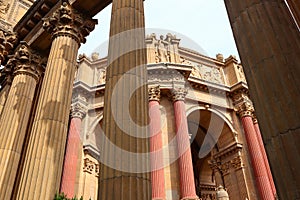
pixel 191 198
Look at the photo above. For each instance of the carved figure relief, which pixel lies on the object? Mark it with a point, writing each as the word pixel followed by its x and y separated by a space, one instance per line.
pixel 196 72
pixel 101 76
pixel 4 6
pixel 211 74
pixel 161 49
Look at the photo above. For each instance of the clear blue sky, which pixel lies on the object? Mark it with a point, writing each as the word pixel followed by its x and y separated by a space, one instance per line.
pixel 202 25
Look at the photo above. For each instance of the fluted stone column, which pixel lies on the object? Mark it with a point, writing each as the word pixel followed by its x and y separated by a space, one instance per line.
pixel 78 111
pixel 295 8
pixel 5 90
pixel 261 175
pixel 156 145
pixel 125 169
pixel 262 149
pixel 187 182
pixel 15 117
pixel 269 46
pixel 42 170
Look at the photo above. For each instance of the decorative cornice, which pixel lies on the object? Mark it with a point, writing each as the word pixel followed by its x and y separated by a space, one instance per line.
pixel 66 21
pixel 154 93
pixel 179 94
pixel 78 110
pixel 27 61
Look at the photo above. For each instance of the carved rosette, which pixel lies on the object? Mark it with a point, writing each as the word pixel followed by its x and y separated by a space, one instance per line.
pixel 66 21
pixel 179 94
pixel 26 61
pixel 78 110
pixel 7 42
pixel 154 93
pixel 91 167
pixel 243 104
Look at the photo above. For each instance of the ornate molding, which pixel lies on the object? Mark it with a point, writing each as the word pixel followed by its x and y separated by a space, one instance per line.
pixel 179 94
pixel 67 21
pixel 154 93
pixel 78 110
pixel 254 118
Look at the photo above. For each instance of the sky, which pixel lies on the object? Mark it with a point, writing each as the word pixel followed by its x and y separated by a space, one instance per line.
pixel 202 25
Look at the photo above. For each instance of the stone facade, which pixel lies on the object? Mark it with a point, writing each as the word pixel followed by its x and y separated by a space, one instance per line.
pixel 210 89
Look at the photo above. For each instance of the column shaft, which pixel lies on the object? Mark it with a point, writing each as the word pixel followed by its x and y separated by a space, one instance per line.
pixel 3 97
pixel 156 145
pixel 71 159
pixel 13 127
pixel 261 175
pixel 268 41
pixel 125 149
pixel 187 182
pixel 262 149
pixel 42 170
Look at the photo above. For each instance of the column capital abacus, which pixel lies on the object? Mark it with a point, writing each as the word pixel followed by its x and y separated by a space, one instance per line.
pixel 154 93
pixel 27 61
pixel 78 110
pixel 178 94
pixel 66 21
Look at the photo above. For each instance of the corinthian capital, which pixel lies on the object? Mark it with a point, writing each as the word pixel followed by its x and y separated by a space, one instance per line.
pixel 28 62
pixel 154 93
pixel 78 110
pixel 242 103
pixel 66 21
pixel 7 43
pixel 179 94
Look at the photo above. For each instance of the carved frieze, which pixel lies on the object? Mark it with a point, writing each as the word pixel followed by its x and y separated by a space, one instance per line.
pixel 154 93
pixel 66 21
pixel 101 75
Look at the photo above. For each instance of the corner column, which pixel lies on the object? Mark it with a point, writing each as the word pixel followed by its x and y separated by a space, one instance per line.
pixel 16 114
pixel 187 182
pixel 261 176
pixel 42 170
pixel 262 149
pixel 156 145
pixel 78 111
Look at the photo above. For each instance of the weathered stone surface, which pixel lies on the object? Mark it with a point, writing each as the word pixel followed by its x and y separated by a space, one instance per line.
pixel 269 45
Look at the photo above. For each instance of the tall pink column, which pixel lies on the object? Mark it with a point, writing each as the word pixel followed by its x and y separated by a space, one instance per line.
pixel 187 183
pixel 72 150
pixel 263 151
pixel 157 170
pixel 260 172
